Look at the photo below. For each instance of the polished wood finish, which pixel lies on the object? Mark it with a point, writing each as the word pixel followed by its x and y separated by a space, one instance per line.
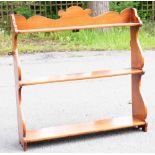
pixel 82 76
pixel 81 128
pixel 77 27
pixel 75 18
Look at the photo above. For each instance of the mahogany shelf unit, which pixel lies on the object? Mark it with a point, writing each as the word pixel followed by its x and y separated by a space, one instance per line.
pixel 76 18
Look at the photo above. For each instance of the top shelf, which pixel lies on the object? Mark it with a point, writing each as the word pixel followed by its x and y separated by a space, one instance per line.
pixel 77 27
pixel 75 18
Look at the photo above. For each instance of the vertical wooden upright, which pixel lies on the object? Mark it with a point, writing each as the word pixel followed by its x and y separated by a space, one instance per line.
pixel 139 109
pixel 18 90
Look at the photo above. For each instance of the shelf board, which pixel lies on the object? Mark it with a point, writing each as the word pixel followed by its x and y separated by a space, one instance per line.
pixel 77 27
pixel 81 129
pixel 82 76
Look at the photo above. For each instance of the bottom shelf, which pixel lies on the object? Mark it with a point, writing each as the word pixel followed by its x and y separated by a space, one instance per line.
pixel 81 128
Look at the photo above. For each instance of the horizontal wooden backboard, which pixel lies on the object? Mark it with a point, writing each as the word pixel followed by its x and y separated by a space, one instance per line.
pixel 73 17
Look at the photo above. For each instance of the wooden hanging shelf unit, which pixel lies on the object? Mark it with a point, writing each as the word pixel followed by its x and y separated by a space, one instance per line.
pixel 76 18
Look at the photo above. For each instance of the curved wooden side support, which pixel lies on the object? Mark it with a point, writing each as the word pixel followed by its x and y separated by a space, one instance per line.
pixel 17 65
pixel 139 109
pixel 21 123
pixel 74 16
pixel 134 16
pixel 137 59
pixel 20 118
pixel 18 89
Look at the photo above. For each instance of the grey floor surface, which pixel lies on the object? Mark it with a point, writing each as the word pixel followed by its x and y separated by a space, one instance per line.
pixel 80 101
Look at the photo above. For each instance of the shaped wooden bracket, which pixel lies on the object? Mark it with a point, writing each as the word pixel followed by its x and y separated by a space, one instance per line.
pixel 139 109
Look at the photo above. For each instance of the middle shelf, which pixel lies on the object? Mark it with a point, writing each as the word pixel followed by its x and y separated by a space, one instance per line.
pixel 80 76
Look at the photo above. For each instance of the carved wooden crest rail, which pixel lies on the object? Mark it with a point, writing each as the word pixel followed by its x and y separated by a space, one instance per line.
pixel 71 19
pixel 75 18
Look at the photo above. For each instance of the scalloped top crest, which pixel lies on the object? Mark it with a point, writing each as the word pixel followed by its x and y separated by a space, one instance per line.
pixel 75 16
pixel 74 11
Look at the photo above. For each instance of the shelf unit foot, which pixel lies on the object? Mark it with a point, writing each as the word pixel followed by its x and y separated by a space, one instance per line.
pixel 144 127
pixel 24 145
